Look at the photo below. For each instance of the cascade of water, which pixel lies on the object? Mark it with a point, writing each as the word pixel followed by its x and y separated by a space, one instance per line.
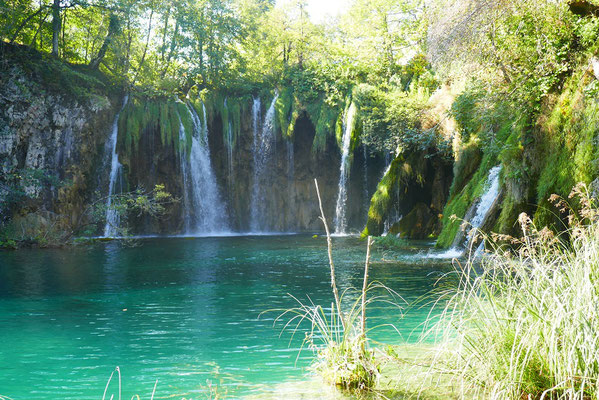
pixel 482 210
pixel 203 208
pixel 229 144
pixel 487 199
pixel 263 156
pixel 113 217
pixel 340 209
pixel 365 193
pixel 291 184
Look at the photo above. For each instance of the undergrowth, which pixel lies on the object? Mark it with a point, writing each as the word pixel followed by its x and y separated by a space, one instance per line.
pixel 524 324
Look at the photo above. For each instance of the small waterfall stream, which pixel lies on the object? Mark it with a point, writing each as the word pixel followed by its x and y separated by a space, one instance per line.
pixel 228 128
pixel 340 209
pixel 291 185
pixel 203 209
pixel 263 150
pixel 487 199
pixel 113 217
pixel 482 210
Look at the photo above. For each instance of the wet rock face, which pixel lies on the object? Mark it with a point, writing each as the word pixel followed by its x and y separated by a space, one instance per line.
pixel 48 135
pixel 291 201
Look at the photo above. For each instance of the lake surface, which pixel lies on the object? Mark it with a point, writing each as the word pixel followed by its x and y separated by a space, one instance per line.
pixel 183 311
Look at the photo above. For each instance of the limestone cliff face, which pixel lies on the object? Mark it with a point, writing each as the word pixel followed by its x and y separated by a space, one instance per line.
pixel 55 122
pixel 51 146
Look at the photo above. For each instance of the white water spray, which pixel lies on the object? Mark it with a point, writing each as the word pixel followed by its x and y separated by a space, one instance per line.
pixel 482 210
pixel 344 169
pixel 263 150
pixel 113 217
pixel 203 209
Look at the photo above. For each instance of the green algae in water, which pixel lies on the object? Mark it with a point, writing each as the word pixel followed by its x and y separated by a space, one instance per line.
pixel 180 311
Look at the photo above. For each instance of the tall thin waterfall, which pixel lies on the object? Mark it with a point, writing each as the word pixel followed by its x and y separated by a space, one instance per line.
pixel 340 209
pixel 365 183
pixel 487 199
pixel 229 144
pixel 482 210
pixel 291 185
pixel 113 218
pixel 263 150
pixel 203 209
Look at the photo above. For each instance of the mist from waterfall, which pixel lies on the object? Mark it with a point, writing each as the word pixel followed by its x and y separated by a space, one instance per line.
pixel 113 217
pixel 203 209
pixel 263 151
pixel 344 169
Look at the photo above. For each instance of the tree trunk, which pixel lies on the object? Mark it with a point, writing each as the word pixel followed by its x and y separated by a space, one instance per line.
pixel 163 47
pixel 22 25
pixel 113 27
pixel 173 46
pixel 38 31
pixel 143 56
pixel 56 25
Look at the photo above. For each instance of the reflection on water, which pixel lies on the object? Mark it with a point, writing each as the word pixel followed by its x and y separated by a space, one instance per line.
pixel 183 311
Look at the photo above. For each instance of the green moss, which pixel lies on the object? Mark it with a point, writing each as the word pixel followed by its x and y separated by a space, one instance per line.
pixel 569 151
pixel 283 107
pixel 187 122
pixel 174 122
pixel 401 171
pixel 164 123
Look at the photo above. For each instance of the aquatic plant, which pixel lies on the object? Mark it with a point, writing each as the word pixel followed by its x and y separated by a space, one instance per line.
pixel 524 324
pixel 214 392
pixel 389 242
pixel 340 337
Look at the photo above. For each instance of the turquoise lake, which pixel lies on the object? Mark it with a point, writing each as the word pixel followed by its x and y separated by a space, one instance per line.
pixel 183 311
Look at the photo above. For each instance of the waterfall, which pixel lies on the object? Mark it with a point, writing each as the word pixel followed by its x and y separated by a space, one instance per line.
pixel 482 210
pixel 228 128
pixel 291 184
pixel 113 217
pixel 203 209
pixel 263 156
pixel 340 209
pixel 487 199
pixel 366 196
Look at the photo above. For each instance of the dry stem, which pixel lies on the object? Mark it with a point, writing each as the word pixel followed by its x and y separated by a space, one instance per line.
pixel 330 251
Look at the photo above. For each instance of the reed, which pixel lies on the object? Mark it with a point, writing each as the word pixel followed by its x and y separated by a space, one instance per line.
pixel 525 324
pixel 339 336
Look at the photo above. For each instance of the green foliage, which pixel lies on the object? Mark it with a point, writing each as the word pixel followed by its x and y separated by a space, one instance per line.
pixel 26 184
pixel 73 81
pixel 519 325
pixel 389 242
pixel 390 118
pixel 229 109
pixel 283 107
pixel 325 126
pixel 570 146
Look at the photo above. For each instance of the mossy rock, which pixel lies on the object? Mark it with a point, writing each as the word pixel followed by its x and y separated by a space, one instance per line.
pixel 418 223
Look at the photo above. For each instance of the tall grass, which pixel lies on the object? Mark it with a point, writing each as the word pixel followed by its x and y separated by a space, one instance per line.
pixel 525 324
pixel 339 336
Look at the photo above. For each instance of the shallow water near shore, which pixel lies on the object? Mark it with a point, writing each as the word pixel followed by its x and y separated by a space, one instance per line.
pixel 185 312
